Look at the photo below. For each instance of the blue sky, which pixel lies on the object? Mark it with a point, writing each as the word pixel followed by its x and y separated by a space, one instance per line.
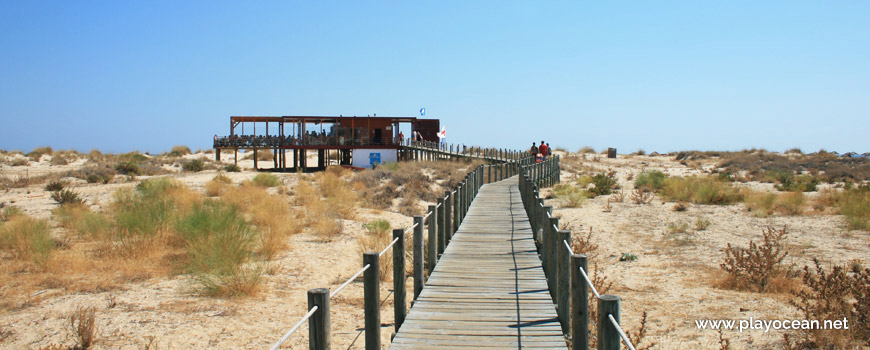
pixel 657 75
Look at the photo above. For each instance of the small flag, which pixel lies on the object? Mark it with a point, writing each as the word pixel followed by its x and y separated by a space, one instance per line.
pixel 443 133
pixel 422 111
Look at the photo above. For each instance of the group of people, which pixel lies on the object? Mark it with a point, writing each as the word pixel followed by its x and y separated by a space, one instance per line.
pixel 416 137
pixel 541 152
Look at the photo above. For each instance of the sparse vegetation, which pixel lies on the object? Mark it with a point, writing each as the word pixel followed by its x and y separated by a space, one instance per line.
pixel 54 186
pixel 701 224
pixel 855 205
pixel 700 190
pixel 641 196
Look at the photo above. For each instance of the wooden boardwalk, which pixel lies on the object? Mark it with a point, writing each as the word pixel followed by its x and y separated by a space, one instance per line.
pixel 488 290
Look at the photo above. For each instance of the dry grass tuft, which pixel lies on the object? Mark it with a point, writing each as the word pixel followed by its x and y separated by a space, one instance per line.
pixel 27 238
pixel 378 235
pixel 83 327
pixel 700 190
pixel 216 186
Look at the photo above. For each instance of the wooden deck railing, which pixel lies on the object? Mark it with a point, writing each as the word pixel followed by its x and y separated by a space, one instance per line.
pixel 441 221
pixel 567 274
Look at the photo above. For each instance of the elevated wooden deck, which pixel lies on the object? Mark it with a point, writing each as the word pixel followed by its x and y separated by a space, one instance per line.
pixel 488 290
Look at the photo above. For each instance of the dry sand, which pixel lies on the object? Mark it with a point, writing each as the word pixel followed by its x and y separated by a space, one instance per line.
pixel 674 283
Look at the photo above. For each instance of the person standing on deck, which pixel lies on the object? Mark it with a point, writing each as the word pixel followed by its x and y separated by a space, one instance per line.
pixel 534 150
pixel 544 150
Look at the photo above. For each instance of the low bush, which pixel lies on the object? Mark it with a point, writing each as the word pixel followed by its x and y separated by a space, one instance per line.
pixel 193 165
pixel 232 168
pixel 83 326
pixel 220 243
pixel 266 180
pixel 754 267
pixel 604 184
pixel 653 180
pixel 570 196
pixel 833 295
pixel 98 178
pixel 127 168
pixel 27 238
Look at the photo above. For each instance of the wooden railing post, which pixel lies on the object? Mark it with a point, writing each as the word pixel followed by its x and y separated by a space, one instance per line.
pixel 433 239
pixel 563 281
pixel 418 255
pixel 550 238
pixel 442 225
pixel 399 294
pixel 608 337
pixel 372 301
pixel 456 199
pixel 319 337
pixel 579 304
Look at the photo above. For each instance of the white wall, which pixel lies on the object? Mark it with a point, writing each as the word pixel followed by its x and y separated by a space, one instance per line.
pixel 363 157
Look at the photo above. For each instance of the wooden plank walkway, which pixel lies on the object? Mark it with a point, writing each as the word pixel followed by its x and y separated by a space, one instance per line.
pixel 488 290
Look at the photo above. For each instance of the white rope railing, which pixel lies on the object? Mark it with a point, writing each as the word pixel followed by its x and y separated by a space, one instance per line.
pixel 388 247
pixel 334 293
pixel 570 252
pixel 589 282
pixel 290 332
pixel 621 333
pixel 427 215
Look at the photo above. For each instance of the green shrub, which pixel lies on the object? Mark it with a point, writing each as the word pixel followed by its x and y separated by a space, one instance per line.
pixel 604 184
pixel 653 180
pixel 232 168
pixel 28 238
pixel 266 180
pixel 142 213
pixel 193 165
pixel 38 152
pixel 66 197
pixel 127 168
pixel 219 243
pixel 700 190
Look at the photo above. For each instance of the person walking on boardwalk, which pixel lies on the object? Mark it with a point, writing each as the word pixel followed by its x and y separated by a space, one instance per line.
pixel 544 150
pixel 534 150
